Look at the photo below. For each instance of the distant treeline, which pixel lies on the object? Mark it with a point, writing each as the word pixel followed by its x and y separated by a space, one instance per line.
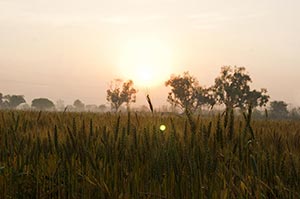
pixel 275 110
pixel 18 102
pixel 231 91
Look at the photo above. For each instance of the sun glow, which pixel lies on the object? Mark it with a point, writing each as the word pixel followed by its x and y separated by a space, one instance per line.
pixel 146 61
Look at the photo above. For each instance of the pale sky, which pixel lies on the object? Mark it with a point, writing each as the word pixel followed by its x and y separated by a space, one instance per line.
pixel 69 49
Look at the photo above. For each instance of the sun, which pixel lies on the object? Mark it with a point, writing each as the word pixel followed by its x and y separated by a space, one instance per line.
pixel 146 61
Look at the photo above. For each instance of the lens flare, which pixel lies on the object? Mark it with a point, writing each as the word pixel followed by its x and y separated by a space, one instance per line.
pixel 162 127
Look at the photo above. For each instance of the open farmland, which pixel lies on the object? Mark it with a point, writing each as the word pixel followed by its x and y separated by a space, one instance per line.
pixel 88 155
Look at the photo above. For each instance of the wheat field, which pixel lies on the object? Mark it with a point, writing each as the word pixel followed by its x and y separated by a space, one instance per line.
pixel 126 155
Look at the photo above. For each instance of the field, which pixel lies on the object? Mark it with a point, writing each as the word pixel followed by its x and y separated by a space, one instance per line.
pixel 89 155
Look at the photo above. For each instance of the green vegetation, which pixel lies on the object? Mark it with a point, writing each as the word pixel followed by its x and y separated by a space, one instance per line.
pixel 88 155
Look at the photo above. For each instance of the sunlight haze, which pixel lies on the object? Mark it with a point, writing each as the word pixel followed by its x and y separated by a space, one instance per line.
pixel 63 49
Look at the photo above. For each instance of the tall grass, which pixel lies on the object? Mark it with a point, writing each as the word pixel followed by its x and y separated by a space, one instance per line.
pixel 87 155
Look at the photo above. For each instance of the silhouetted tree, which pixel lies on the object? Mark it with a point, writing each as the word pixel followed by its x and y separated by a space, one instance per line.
pixel 1 100
pixel 257 98
pixel 102 108
pixel 183 91
pixel 12 101
pixel 232 89
pixel 205 96
pixel 79 105
pixel 4 103
pixel 117 95
pixel 42 104
pixel 295 113
pixel 278 109
pixel 186 92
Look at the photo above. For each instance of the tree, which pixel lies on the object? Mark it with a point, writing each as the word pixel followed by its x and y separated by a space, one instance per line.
pixel 232 89
pixel 1 100
pixel 79 105
pixel 278 109
pixel 12 101
pixel 257 98
pixel 205 96
pixel 102 108
pixel 117 95
pixel 186 92
pixel 295 113
pixel 183 91
pixel 42 104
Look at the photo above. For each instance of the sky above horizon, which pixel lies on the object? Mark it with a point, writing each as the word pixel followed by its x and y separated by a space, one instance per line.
pixel 71 49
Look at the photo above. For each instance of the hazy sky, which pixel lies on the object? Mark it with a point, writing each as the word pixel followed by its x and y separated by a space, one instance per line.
pixel 69 49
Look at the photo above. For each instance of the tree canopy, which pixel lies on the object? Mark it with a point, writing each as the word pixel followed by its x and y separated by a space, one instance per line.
pixel 1 100
pixel 79 105
pixel 121 92
pixel 186 92
pixel 278 109
pixel 233 90
pixel 12 101
pixel 42 104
